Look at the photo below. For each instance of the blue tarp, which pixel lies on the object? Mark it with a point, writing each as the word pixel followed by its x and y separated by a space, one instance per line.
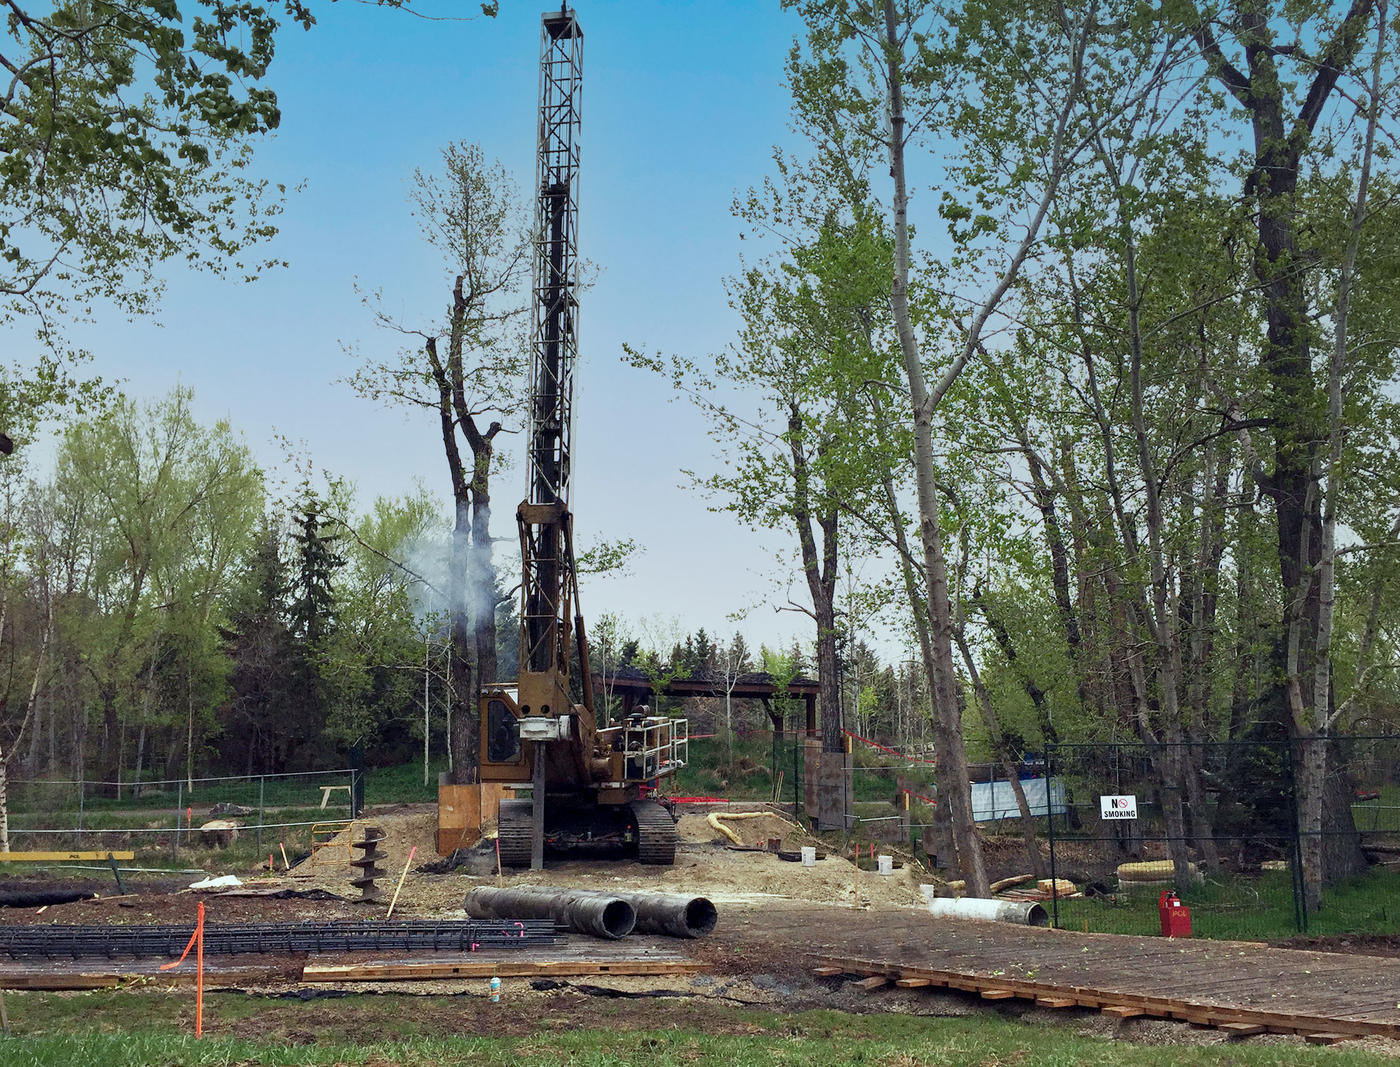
pixel 993 801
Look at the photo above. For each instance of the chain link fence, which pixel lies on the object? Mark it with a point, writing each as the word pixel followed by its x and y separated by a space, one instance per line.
pixel 1216 823
pixel 261 812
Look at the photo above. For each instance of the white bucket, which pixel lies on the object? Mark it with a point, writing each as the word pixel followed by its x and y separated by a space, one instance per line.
pixel 809 855
pixel 885 864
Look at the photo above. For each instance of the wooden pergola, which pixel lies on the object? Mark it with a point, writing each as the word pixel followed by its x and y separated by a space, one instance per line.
pixel 634 688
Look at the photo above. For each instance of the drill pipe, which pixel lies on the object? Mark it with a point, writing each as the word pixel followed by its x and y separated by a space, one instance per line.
pixel 674 914
pixel 581 910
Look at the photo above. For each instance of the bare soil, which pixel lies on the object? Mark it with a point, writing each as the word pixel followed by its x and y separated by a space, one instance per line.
pixel 705 865
pixel 773 915
pixel 1348 944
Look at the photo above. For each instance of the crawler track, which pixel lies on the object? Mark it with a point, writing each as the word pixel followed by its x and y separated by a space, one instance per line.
pixel 514 832
pixel 656 833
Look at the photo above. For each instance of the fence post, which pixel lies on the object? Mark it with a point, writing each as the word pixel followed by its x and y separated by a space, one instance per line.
pixel 1050 832
pixel 262 817
pixel 796 794
pixel 1300 904
pixel 179 814
pixel 82 793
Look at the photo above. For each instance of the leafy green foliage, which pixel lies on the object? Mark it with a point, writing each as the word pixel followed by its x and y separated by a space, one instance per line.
pixel 124 131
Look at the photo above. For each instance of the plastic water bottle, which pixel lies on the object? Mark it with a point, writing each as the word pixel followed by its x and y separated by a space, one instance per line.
pixel 495 990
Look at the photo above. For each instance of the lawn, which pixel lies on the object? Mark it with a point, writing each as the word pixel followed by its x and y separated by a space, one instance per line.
pixel 125 1029
pixel 1258 907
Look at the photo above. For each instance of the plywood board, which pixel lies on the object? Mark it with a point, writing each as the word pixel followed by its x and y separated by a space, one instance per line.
pixel 437 970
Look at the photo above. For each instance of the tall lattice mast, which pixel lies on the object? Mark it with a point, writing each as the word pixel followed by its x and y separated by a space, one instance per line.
pixel 545 539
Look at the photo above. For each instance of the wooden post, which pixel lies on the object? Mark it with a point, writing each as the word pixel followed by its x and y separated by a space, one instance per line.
pixel 116 873
pixel 179 807
pixel 855 858
pixel 399 887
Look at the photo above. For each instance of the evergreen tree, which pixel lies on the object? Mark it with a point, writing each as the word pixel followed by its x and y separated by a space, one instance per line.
pixel 261 724
pixel 313 608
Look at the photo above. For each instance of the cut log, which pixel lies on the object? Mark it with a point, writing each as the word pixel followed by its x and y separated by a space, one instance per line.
pixel 1007 883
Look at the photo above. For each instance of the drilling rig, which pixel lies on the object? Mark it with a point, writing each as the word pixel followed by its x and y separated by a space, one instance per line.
pixel 592 788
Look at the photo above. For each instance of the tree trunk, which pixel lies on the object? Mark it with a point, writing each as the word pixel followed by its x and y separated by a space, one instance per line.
pixel 1295 481
pixel 956 791
pixel 1009 768
pixel 462 682
pixel 819 568
pixel 918 607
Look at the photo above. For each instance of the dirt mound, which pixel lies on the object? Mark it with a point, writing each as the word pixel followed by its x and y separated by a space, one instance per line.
pixel 752 832
pixel 404 828
pixel 706 864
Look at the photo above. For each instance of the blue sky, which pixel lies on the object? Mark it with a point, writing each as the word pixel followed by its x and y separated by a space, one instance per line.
pixel 683 102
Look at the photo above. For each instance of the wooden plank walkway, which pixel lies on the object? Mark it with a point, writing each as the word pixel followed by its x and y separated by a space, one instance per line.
pixel 1245 984
pixel 1240 984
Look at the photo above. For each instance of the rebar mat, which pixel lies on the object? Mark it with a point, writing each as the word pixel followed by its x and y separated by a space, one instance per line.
pixel 232 939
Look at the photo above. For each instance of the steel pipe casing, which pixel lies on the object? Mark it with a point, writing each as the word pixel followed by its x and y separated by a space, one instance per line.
pixel 580 910
pixel 673 914
pixel 1022 912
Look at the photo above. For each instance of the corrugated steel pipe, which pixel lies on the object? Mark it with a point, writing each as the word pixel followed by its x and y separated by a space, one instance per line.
pixel 1024 912
pixel 581 910
pixel 672 913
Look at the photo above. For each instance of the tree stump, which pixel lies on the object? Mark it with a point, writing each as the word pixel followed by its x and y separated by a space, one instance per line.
pixel 219 833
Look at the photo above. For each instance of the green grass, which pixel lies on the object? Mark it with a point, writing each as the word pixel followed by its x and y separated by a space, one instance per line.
pixel 123 1029
pixel 1380 815
pixel 708 772
pixel 1249 908
pixel 54 801
pixel 403 784
pixel 1231 909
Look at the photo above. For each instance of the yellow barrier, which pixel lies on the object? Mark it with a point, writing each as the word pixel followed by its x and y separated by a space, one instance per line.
pixel 49 857
pixel 329 831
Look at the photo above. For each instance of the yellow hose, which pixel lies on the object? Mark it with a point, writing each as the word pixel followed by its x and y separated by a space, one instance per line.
pixel 714 820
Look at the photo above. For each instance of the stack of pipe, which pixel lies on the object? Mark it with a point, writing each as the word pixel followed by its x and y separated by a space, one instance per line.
pixel 602 914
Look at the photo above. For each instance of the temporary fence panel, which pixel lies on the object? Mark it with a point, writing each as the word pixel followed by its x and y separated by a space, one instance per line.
pixel 171 813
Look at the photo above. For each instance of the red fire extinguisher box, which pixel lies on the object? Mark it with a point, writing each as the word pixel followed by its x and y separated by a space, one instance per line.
pixel 1175 916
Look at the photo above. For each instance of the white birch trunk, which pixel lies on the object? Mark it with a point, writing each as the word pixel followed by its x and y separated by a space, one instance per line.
pixel 1314 731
